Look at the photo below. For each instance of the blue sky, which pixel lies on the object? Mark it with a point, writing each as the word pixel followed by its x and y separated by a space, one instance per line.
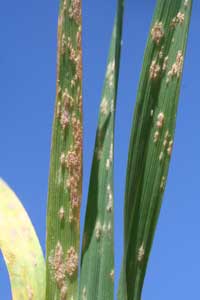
pixel 27 93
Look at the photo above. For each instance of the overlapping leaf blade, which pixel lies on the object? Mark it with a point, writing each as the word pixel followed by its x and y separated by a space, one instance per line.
pixel 97 261
pixel 152 139
pixel 21 249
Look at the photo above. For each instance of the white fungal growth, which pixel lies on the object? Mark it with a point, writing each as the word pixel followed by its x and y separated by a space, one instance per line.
pixel 169 149
pixel 166 134
pixel 180 17
pixel 110 68
pixel 84 294
pixel 165 63
pixel 104 106
pixel 104 227
pixel 161 155
pixel 177 67
pixel 151 113
pixel 140 253
pixel 98 230
pixel 162 184
pixel 157 32
pixel 109 227
pixel 154 70
pixel 110 73
pixel 165 143
pixel 64 43
pixel 62 159
pixel 156 136
pixel 58 109
pixel 57 265
pixel 63 292
pixel 110 202
pixel 160 120
pixel 61 213
pixel 64 119
pixel 107 164
pixel 71 261
pixel 112 274
pixel 186 3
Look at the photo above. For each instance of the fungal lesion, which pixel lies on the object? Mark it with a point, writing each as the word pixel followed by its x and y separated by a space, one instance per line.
pixel 57 265
pixel 165 61
pixel 177 67
pixel 98 230
pixel 186 4
pixel 166 145
pixel 160 120
pixel 112 274
pixel 109 206
pixel 84 294
pixel 110 73
pixel 156 136
pixel 63 44
pixel 162 184
pixel 178 19
pixel 75 11
pixel 61 213
pixel 71 262
pixel 157 32
pixel 104 106
pixel 141 253
pixel 154 70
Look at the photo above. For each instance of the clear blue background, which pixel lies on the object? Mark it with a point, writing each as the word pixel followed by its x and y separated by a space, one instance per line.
pixel 27 92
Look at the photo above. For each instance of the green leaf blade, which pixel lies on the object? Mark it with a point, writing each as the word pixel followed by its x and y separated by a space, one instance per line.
pixel 152 139
pixel 21 249
pixel 97 260
pixel 65 178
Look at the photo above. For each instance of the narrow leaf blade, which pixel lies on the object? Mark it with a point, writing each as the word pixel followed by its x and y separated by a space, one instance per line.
pixel 65 178
pixel 152 139
pixel 97 261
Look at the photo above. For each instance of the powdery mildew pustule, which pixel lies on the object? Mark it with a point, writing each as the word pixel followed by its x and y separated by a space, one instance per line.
pixel 157 32
pixel 63 292
pixel 57 265
pixel 110 73
pixel 98 230
pixel 186 3
pixel 141 253
pixel 104 106
pixel 75 11
pixel 154 70
pixel 161 155
pixel 179 19
pixel 71 261
pixel 177 67
pixel 112 274
pixel 164 67
pixel 64 119
pixel 109 206
pixel 61 213
pixel 84 294
pixel 169 149
pixel 156 136
pixel 160 120
pixel 162 184
pixel 64 43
